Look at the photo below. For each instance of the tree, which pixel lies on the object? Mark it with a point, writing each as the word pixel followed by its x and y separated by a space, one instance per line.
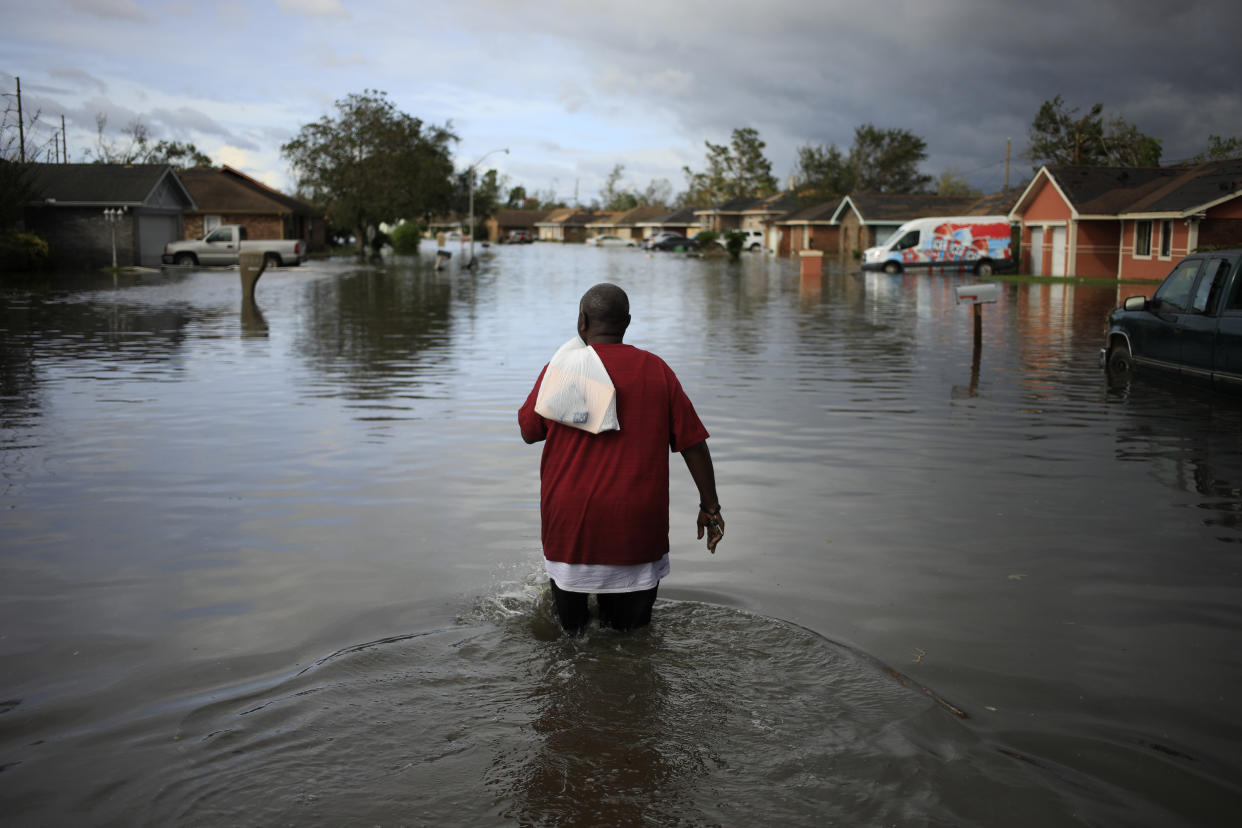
pixel 736 170
pixel 953 183
pixel 517 197
pixel 614 196
pixel 371 163
pixel 887 161
pixel 1059 136
pixel 1221 149
pixel 138 149
pixel 880 161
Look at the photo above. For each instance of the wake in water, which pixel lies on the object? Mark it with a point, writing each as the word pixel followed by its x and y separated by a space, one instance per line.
pixel 710 716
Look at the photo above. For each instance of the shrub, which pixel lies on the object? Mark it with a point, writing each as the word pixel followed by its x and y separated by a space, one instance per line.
pixel 405 238
pixel 23 251
pixel 706 238
pixel 733 243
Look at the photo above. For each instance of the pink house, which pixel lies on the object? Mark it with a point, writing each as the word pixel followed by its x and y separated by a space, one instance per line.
pixel 1126 222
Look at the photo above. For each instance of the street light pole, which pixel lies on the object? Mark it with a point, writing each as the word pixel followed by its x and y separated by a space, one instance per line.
pixel 470 177
pixel 113 217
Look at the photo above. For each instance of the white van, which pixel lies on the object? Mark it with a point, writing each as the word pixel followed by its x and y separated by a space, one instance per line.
pixel 977 243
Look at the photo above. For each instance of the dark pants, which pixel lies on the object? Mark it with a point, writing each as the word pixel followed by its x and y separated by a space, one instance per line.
pixel 617 610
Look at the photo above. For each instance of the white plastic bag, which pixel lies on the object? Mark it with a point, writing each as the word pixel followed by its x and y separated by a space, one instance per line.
pixel 577 391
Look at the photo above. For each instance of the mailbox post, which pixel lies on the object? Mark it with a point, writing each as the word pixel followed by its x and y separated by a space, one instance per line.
pixel 977 296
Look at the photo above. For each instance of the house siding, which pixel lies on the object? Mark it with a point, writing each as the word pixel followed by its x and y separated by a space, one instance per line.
pixel 1096 248
pixel 81 237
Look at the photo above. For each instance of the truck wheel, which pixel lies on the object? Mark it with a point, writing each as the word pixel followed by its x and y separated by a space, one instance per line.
pixel 1120 362
pixel 983 269
pixel 270 260
pixel 185 260
pixel 892 268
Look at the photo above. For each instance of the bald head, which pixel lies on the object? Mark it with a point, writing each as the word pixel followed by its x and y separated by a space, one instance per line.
pixel 603 314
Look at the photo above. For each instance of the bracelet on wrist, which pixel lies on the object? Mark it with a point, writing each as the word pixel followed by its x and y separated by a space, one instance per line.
pixel 714 512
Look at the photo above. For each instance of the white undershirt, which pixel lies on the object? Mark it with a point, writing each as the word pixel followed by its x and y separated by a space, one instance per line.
pixel 607 577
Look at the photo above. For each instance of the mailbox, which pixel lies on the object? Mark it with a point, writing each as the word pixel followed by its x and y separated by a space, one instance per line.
pixel 977 294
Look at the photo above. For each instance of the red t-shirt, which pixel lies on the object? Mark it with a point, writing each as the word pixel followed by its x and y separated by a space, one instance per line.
pixel 604 497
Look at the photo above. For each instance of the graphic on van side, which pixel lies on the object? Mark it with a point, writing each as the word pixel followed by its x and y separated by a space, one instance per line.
pixel 961 242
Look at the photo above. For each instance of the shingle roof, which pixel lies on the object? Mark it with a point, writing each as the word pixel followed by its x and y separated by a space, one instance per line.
pixel 510 217
pixel 227 190
pixel 99 184
pixel 821 212
pixel 682 216
pixel 1129 190
pixel 886 207
pixel 785 202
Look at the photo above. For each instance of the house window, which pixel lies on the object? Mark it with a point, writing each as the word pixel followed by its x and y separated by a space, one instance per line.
pixel 1142 238
pixel 210 223
pixel 1166 239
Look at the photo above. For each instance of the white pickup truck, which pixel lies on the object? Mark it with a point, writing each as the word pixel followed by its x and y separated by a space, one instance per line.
pixel 221 246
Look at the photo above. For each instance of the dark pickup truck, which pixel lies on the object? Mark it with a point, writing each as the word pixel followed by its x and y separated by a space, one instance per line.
pixel 1191 328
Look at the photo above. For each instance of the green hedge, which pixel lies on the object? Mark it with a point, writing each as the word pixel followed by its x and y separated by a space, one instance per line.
pixel 23 251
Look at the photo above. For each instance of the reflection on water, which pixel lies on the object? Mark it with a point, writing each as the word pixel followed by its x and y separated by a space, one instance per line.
pixel 257 558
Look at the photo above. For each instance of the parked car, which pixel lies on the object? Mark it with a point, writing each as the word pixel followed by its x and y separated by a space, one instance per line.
pixel 609 240
pixel 675 242
pixel 656 237
pixel 221 246
pixel 751 239
pixel 519 237
pixel 977 243
pixel 1191 328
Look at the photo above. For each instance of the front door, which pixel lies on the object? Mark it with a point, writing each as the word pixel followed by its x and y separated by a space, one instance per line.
pixel 1037 251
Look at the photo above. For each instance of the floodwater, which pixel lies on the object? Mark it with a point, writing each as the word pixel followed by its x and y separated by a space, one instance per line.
pixel 279 563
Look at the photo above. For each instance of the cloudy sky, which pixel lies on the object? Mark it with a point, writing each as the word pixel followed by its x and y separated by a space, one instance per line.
pixel 574 88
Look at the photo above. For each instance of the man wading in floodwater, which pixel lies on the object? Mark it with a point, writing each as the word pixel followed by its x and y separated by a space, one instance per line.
pixel 604 497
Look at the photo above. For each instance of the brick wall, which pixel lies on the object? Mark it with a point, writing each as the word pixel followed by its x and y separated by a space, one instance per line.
pixel 257 226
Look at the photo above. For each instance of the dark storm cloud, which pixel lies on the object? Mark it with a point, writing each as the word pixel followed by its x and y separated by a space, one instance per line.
pixel 963 74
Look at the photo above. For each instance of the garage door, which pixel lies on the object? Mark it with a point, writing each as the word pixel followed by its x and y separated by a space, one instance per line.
pixel 1058 251
pixel 154 231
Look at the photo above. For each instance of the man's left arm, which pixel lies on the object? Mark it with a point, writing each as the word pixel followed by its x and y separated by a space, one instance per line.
pixel 534 427
pixel 699 461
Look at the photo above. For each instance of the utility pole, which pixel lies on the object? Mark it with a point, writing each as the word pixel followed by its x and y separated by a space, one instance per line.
pixel 21 127
pixel 64 143
pixel 1006 163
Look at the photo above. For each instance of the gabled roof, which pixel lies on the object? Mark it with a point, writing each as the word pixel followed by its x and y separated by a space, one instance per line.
pixel 1139 191
pixel 733 205
pixel 227 190
pixel 105 185
pixel 821 213
pixel 778 204
pixel 557 216
pixel 511 217
pixel 887 208
pixel 678 217
pixel 639 214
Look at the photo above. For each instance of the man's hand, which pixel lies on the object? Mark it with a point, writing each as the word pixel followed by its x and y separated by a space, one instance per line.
pixel 711 523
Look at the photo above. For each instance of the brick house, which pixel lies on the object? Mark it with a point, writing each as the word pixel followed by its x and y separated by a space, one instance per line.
pixel 868 219
pixel 506 220
pixel 69 205
pixel 568 224
pixel 762 216
pixel 229 196
pixel 1126 222
pixel 682 222
pixel 726 216
pixel 629 224
pixel 810 228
